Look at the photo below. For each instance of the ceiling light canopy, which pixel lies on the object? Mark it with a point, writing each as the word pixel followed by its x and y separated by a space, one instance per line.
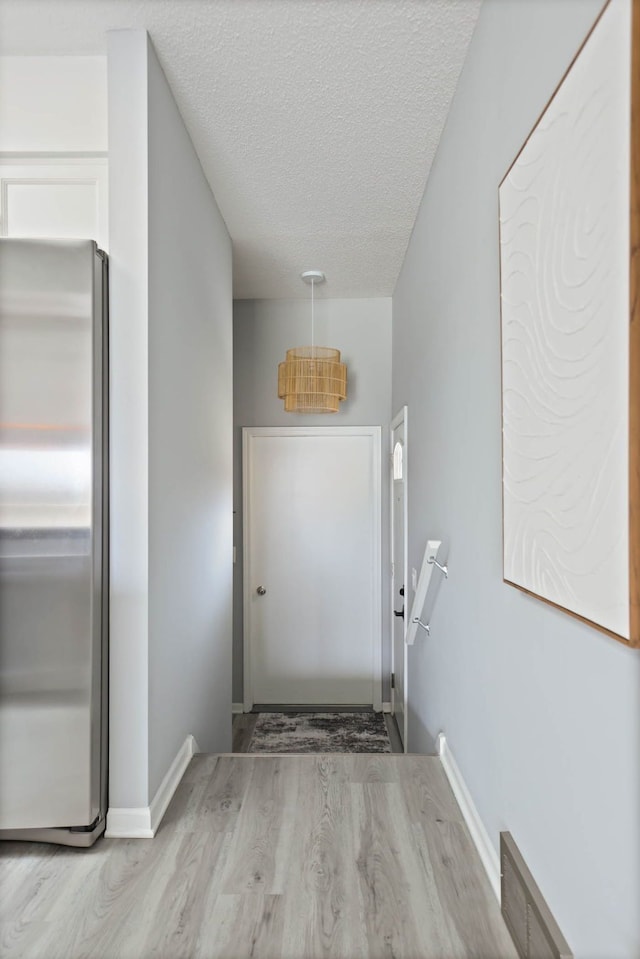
pixel 312 379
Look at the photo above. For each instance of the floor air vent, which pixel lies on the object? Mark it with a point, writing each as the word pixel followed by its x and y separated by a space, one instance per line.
pixel 534 930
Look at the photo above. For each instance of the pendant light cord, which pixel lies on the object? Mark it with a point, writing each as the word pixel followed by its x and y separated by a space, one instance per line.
pixel 312 319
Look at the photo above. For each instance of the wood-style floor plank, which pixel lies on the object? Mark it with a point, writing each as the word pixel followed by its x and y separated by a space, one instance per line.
pixel 242 925
pixel 200 767
pixel 427 791
pixel 259 853
pixel 466 899
pixel 322 874
pixel 243 726
pixel 268 857
pixel 402 904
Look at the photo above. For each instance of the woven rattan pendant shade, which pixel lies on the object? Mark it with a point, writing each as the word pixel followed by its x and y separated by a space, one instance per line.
pixel 312 379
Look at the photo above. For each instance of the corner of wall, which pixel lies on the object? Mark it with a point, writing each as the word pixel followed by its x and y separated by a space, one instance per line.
pixel 128 386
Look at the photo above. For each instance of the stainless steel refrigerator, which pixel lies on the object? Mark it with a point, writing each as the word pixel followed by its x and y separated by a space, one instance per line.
pixel 53 540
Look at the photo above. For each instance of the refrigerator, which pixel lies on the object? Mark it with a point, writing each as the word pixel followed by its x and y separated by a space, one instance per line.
pixel 53 540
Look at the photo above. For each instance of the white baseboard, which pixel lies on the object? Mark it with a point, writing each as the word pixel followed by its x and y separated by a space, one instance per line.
pixel 129 823
pixel 482 842
pixel 386 707
pixel 237 708
pixel 171 781
pixel 142 822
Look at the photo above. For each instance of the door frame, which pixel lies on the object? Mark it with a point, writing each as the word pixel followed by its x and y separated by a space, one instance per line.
pixel 374 432
pixel 400 418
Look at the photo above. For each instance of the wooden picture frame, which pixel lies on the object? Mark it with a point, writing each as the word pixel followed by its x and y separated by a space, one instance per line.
pixel 570 322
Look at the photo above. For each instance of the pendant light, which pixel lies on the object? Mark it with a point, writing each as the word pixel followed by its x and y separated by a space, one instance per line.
pixel 312 379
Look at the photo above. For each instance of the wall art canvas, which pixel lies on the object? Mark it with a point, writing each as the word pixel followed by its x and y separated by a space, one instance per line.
pixel 569 233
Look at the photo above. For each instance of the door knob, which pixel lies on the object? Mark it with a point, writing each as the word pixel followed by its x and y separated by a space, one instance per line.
pixel 261 591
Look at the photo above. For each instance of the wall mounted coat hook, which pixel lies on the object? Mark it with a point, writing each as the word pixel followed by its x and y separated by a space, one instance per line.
pixel 443 569
pixel 429 560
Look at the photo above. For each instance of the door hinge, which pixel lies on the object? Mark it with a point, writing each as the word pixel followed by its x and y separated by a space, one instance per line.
pixel 393 680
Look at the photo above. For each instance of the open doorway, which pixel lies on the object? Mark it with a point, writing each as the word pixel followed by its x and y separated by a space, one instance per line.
pixel 312 591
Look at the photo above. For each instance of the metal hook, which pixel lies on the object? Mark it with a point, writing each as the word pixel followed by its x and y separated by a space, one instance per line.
pixel 425 626
pixel 443 569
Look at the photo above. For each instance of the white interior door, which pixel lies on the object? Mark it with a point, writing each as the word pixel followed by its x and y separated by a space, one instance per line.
pixel 399 585
pixel 312 566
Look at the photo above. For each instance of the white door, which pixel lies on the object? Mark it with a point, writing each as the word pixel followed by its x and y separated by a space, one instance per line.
pixel 399 586
pixel 312 566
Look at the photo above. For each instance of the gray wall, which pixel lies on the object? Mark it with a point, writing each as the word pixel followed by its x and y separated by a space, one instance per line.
pixel 190 445
pixel 129 418
pixel 262 331
pixel 171 435
pixel 541 712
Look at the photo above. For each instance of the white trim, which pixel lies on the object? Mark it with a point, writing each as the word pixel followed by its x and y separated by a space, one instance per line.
pixel 237 708
pixel 247 690
pixel 52 156
pixel 400 418
pixel 375 432
pixel 386 707
pixel 131 823
pixel 486 850
pixel 171 781
pixel 142 822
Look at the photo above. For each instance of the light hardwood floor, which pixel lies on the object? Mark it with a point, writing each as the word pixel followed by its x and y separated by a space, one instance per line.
pixel 269 857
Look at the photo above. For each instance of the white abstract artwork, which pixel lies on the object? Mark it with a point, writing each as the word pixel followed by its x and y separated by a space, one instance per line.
pixel 564 257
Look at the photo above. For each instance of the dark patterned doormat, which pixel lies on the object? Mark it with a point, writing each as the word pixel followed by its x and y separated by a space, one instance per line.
pixel 320 733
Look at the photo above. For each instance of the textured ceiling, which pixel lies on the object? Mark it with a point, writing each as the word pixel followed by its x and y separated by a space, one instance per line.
pixel 316 121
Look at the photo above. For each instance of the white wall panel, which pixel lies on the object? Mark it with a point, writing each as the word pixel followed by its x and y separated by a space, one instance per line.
pixel 53 104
